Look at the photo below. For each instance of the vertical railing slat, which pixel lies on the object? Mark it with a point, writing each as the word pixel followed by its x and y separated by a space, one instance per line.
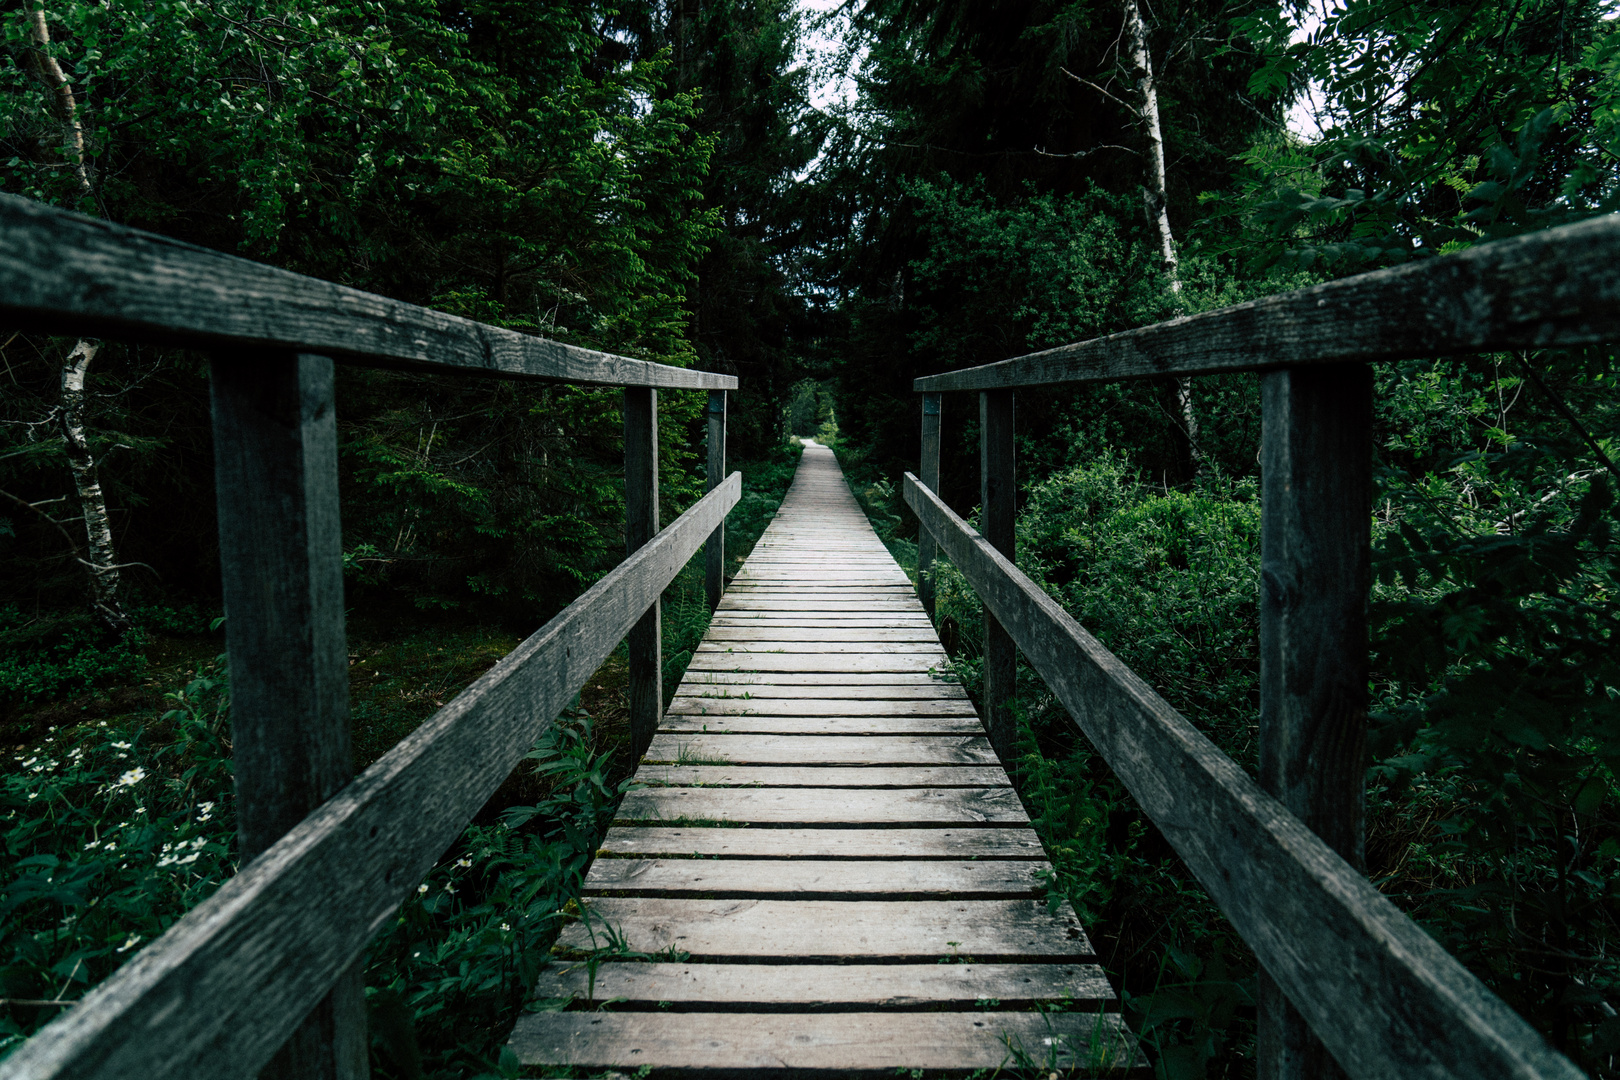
pixel 997 465
pixel 281 563
pixel 928 472
pixel 641 525
pixel 714 551
pixel 1316 512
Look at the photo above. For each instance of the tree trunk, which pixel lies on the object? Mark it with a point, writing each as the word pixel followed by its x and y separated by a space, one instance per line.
pixel 63 100
pixel 1157 197
pixel 103 561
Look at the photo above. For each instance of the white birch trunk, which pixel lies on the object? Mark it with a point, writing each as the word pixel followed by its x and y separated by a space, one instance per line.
pixel 63 100
pixel 1157 195
pixel 103 561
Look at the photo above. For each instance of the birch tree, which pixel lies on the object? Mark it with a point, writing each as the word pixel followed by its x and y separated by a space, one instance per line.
pixel 102 560
pixel 1155 190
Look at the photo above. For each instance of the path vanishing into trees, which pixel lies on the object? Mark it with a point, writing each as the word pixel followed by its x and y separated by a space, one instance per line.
pixel 828 865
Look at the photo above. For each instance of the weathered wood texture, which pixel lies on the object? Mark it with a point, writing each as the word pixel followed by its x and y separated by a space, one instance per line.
pixel 825 776
pixel 226 986
pixel 998 489
pixel 800 931
pixel 281 567
pixel 705 842
pixel 838 986
pixel 901 808
pixel 714 552
pixel 1555 287
pixel 822 749
pixel 646 642
pixel 841 879
pixel 928 469
pixel 874 1045
pixel 1383 996
pixel 1316 475
pixel 63 273
pixel 838 802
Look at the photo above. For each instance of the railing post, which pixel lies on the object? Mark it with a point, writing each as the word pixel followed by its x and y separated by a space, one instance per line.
pixel 1316 512
pixel 714 551
pixel 281 564
pixel 928 473
pixel 996 489
pixel 641 525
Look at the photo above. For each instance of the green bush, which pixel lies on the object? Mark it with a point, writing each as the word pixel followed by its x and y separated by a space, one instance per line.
pixel 46 658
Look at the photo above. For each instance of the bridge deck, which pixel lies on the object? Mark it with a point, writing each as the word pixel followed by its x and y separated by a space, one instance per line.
pixel 881 909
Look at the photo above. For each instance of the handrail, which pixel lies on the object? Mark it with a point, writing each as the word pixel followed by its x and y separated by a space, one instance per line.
pixel 264 970
pixel 1545 289
pixel 64 273
pixel 1383 996
pixel 229 982
pixel 1344 976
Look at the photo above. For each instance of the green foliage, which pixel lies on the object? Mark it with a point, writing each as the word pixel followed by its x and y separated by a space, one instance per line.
pixel 110 834
pixel 46 658
pixel 1442 124
pixel 1496 615
pixel 447 980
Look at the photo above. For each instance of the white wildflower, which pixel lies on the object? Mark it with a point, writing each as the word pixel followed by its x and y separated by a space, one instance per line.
pixel 133 940
pixel 506 928
pixel 463 862
pixel 133 777
pixel 120 746
pixel 421 890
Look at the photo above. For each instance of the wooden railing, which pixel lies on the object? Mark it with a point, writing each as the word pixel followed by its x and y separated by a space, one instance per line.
pixel 1347 977
pixel 263 975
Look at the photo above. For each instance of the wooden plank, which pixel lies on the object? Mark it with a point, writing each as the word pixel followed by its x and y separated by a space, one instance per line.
pixel 1315 573
pixel 830 776
pixel 227 984
pixel 785 679
pixel 923 689
pixel 821 750
pixel 837 879
pixel 841 986
pixel 856 648
pixel 848 1043
pixel 903 844
pixel 714 551
pixel 824 725
pixel 1552 288
pixel 1381 994
pixel 828 706
pixel 997 492
pixel 733 604
pixel 63 273
pixel 645 644
pixel 811 931
pixel 825 619
pixel 821 634
pixel 744 662
pixel 281 567
pixel 897 807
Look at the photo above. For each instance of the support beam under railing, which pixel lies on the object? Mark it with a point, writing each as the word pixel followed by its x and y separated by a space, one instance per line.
pixel 281 564
pixel 928 471
pixel 1315 531
pixel 997 486
pixel 645 642
pixel 714 551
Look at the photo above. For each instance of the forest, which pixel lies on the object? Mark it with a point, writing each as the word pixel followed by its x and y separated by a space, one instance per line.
pixel 826 202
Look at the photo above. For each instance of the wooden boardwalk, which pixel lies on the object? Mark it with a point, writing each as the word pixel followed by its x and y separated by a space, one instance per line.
pixel 881 909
